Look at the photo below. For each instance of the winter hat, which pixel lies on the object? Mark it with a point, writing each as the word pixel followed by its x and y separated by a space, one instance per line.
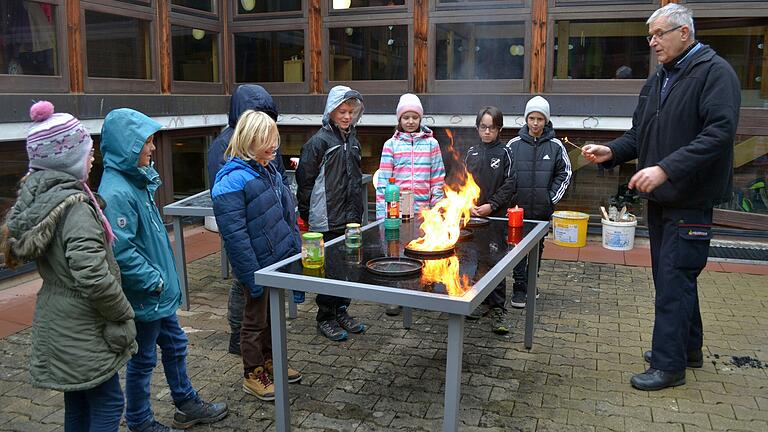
pixel 409 102
pixel 537 104
pixel 57 141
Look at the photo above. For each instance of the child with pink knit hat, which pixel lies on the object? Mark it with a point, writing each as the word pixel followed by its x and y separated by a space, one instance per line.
pixel 83 330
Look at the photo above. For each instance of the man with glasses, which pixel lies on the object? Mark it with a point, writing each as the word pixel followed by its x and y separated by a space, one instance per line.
pixel 682 135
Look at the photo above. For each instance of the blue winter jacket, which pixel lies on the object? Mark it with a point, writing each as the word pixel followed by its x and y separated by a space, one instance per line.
pixel 256 216
pixel 141 247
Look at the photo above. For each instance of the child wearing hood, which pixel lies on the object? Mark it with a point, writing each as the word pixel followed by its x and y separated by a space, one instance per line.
pixel 330 193
pixel 83 331
pixel 412 156
pixel 543 176
pixel 256 216
pixel 148 271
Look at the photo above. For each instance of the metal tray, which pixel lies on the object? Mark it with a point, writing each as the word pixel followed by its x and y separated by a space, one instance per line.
pixel 394 266
pixel 429 254
pixel 477 222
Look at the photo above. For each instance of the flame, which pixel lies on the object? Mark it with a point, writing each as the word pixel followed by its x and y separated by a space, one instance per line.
pixel 446 272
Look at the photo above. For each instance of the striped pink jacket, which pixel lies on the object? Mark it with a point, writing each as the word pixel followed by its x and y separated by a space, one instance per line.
pixel 415 161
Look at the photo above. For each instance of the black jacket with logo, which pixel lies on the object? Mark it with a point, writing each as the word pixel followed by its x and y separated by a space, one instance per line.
pixel 690 135
pixel 491 166
pixel 543 171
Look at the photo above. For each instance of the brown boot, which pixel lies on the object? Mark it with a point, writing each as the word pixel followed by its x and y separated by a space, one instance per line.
pixel 294 376
pixel 257 383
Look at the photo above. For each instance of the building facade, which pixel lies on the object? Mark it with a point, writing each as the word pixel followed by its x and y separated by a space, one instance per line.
pixel 179 60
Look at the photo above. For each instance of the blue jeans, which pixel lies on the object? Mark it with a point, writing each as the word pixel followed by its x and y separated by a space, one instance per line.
pixel 94 410
pixel 168 335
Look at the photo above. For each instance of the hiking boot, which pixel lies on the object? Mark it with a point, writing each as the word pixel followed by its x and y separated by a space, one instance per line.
pixel 478 313
pixel 293 375
pixel 348 323
pixel 693 359
pixel 332 330
pixel 393 310
pixel 499 321
pixel 197 411
pixel 234 343
pixel 654 379
pixel 257 383
pixel 152 426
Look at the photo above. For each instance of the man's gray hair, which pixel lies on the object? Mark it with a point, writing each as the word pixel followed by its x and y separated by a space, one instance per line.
pixel 676 15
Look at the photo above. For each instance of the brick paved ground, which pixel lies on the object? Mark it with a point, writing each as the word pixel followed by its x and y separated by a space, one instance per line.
pixel 593 324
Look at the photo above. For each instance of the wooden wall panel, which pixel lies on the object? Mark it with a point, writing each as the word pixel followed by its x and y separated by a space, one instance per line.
pixel 538 46
pixel 164 46
pixel 420 48
pixel 315 48
pixel 75 46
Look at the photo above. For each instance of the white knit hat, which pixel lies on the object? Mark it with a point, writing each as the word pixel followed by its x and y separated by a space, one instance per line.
pixel 409 102
pixel 537 104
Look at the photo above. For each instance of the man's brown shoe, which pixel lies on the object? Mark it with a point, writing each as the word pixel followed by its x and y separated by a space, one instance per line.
pixel 294 376
pixel 257 383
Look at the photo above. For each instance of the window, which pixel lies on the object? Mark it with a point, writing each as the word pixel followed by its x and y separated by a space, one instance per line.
pixel 276 56
pixel 117 46
pixel 601 50
pixel 195 54
pixel 368 53
pixel 28 38
pixel 352 4
pixel 13 166
pixel 189 165
pixel 203 5
pixel 479 51
pixel 267 6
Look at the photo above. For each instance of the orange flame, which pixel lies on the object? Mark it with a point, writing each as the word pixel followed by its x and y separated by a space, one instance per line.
pixel 446 272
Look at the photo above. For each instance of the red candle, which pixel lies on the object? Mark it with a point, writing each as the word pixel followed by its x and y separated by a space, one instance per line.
pixel 515 216
pixel 514 235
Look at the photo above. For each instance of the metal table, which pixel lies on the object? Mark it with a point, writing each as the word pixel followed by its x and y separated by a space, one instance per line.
pixel 200 205
pixel 486 258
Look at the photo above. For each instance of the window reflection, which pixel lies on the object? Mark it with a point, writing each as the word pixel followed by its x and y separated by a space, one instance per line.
pixel 368 53
pixel 601 50
pixel 480 51
pixel 266 6
pixel 351 4
pixel 117 46
pixel 27 38
pixel 189 166
pixel 204 5
pixel 269 56
pixel 195 54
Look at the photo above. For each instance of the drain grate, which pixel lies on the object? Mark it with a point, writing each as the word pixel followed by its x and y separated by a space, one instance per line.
pixel 747 254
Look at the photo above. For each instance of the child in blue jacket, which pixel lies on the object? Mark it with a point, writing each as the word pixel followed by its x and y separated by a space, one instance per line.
pixel 256 216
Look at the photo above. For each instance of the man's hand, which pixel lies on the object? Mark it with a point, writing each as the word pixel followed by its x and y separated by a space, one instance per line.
pixel 648 179
pixel 596 153
pixel 480 211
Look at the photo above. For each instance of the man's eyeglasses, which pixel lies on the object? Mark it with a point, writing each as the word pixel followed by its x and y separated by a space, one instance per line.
pixel 484 128
pixel 659 36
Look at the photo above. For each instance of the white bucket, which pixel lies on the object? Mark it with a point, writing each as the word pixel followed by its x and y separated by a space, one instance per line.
pixel 210 224
pixel 619 236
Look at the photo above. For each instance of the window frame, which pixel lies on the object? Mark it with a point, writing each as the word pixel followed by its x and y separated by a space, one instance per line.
pixel 274 87
pixel 179 11
pixel 513 15
pixel 185 87
pixel 640 12
pixel 46 83
pixel 438 5
pixel 236 17
pixel 111 85
pixel 330 14
pixel 369 86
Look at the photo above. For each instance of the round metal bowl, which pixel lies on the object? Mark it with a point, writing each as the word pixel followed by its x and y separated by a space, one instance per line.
pixel 394 266
pixel 429 254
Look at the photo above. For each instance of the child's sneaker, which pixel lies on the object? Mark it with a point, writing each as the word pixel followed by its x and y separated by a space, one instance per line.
pixel 478 313
pixel 257 383
pixel 293 375
pixel 196 411
pixel 518 299
pixel 332 330
pixel 499 321
pixel 348 323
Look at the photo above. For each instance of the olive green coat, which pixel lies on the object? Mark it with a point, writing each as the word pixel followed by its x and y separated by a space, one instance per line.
pixel 83 330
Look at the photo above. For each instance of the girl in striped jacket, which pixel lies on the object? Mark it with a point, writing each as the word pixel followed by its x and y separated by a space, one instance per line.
pixel 412 156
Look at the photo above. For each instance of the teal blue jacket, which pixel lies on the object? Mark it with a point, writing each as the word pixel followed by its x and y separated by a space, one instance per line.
pixel 141 247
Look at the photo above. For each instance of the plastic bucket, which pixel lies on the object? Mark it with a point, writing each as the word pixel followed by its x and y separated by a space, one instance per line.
pixel 619 236
pixel 569 228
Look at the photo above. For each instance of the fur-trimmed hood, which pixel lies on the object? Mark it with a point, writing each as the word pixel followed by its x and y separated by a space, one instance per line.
pixel 43 199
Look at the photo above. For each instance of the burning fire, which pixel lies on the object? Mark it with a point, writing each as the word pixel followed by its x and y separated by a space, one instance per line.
pixel 442 223
pixel 446 272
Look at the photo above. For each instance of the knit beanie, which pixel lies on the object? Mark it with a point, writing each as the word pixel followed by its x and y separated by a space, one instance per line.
pixel 409 102
pixel 537 104
pixel 57 141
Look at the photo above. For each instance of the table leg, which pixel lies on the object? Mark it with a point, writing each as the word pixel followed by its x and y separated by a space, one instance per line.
pixel 280 359
pixel 224 262
pixel 453 373
pixel 407 317
pixel 181 261
pixel 292 310
pixel 530 302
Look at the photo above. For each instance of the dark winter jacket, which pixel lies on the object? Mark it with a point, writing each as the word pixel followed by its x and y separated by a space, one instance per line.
pixel 246 97
pixel 491 166
pixel 543 171
pixel 329 177
pixel 256 216
pixel 690 136
pixel 83 330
